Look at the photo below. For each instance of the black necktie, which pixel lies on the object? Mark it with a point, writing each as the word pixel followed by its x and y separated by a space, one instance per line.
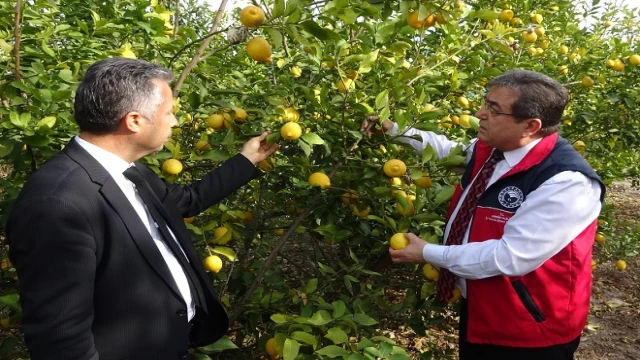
pixel 160 216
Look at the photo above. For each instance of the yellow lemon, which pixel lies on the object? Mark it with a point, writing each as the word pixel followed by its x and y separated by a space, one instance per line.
pixel 126 52
pixel 213 263
pixel 395 181
pixel 259 49
pixel 600 238
pixel 239 114
pixel 529 36
pixel 271 348
pixel 290 131
pixel 394 168
pixel 465 121
pixel 292 114
pixel 506 15
pixel 351 74
pixel 634 60
pixel 587 81
pixel 579 145
pixel 349 198
pixel 621 265
pixel 564 50
pixel 398 241
pixel 295 71
pixel 319 179
pixel 463 102
pixel 536 18
pixel 413 21
pixel 618 65
pixel 252 17
pixel 539 31
pixel 345 85
pixel 430 272
pixel 405 64
pixel 215 121
pixel 267 164
pixel 360 213
pixel 220 232
pixel 423 182
pixel 457 294
pixel 408 212
pixel 172 166
pixel 189 219
pixel 278 232
pixel 202 145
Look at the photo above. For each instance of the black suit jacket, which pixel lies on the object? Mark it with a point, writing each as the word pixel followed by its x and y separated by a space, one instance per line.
pixel 93 284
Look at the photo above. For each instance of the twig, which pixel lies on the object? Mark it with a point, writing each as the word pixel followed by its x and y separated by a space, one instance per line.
pixel 195 42
pixel 216 51
pixel 16 34
pixel 176 19
pixel 196 59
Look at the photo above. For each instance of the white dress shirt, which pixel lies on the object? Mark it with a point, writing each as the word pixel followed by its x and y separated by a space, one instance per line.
pixel 550 217
pixel 116 166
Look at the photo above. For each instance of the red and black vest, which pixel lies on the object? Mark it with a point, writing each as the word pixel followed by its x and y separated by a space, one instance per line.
pixel 548 306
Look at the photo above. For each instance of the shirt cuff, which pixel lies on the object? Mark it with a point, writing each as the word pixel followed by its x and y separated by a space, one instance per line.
pixel 393 131
pixel 434 254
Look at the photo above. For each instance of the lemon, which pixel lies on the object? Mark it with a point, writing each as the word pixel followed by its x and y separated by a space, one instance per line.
pixel 215 121
pixel 618 65
pixel 213 263
pixel 394 168
pixel 319 179
pixel 349 198
pixel 564 50
pixel 539 31
pixel 465 121
pixel 600 238
pixel 405 64
pixel 239 114
pixel 609 63
pixel 621 265
pixel 126 52
pixel 423 182
pixel 430 272
pixel 529 36
pixel 295 71
pixel 506 15
pixel 292 114
pixel 202 145
pixel 252 17
pixel 463 102
pixel 267 164
pixel 457 294
pixel 278 232
pixel 398 241
pixel 4 322
pixel 634 59
pixel 220 232
pixel 352 74
pixel 259 49
pixel 189 219
pixel 587 81
pixel 408 212
pixel 536 18
pixel 345 85
pixel 290 131
pixel 395 181
pixel 579 145
pixel 271 348
pixel 172 166
pixel 360 213
pixel 413 21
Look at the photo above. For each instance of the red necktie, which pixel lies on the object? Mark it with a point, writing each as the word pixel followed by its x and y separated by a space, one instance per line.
pixel 447 281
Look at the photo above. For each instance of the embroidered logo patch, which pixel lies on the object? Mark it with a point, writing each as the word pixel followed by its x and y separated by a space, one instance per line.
pixel 511 197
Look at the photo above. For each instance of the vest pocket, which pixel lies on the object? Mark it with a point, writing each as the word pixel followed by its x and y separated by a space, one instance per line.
pixel 527 301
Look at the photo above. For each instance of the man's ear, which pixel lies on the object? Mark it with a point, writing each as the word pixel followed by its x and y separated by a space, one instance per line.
pixel 532 127
pixel 133 122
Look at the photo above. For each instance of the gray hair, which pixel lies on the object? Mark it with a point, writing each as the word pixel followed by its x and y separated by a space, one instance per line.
pixel 540 97
pixel 112 88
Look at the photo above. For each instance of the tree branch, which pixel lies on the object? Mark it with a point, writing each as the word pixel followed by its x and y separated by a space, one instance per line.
pixel 16 34
pixel 196 59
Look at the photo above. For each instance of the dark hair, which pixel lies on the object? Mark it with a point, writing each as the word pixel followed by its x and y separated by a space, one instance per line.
pixel 540 97
pixel 112 88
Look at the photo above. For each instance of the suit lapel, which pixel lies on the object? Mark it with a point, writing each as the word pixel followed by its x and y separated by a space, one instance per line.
pixel 116 198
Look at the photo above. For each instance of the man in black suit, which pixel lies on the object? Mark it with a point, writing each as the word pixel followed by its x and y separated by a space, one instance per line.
pixel 106 266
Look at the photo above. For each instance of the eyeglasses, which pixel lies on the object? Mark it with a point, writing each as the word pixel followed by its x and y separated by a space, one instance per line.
pixel 493 111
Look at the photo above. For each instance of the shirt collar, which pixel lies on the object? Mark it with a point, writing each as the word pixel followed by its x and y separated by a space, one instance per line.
pixel 114 164
pixel 513 157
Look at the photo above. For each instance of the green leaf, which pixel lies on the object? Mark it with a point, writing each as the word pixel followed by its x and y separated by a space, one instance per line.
pixel 428 154
pixel 305 337
pixel 483 14
pixel 305 147
pixel 312 139
pixel 6 147
pixel 279 318
pixel 382 99
pixel 364 319
pixel 337 335
pixel 321 317
pixel 398 357
pixel 12 301
pixel 348 16
pixel 8 345
pixel 295 16
pixel 46 49
pixel 228 252
pixel 290 349
pixel 312 285
pixel 318 31
pixel 332 351
pixel 48 121
pixel 339 309
pixel 278 9
pixel 37 140
pixel 222 344
pixel 276 36
pixel 445 194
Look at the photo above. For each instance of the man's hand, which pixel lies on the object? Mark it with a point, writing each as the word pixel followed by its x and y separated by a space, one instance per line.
pixel 257 149
pixel 412 253
pixel 369 126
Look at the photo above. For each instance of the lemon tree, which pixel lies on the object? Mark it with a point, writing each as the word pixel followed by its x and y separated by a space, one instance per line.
pixel 310 72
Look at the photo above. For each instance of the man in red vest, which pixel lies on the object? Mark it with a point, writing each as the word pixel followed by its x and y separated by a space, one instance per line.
pixel 520 228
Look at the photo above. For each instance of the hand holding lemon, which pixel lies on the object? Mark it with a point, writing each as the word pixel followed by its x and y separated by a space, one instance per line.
pixel 406 248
